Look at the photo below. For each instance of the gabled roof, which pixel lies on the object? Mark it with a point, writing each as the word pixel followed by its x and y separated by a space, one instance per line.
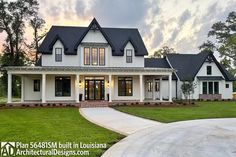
pixel 94 25
pixel 188 65
pixel 116 38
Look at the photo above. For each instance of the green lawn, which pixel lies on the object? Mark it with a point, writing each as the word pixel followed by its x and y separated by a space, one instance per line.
pixel 3 100
pixel 172 114
pixel 52 124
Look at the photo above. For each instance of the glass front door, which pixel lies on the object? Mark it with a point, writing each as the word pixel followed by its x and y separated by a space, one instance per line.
pixel 94 88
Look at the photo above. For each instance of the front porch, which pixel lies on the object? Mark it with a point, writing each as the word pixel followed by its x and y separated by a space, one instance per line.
pixel 42 85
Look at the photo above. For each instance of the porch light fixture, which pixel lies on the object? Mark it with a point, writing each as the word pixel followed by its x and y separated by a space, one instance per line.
pixel 108 84
pixel 80 84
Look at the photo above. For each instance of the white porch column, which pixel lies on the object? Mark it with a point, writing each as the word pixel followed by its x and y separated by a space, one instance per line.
pixel 170 88
pixel 22 89
pixel 153 89
pixel 77 87
pixel 141 87
pixel 43 88
pixel 160 89
pixel 110 88
pixel 9 88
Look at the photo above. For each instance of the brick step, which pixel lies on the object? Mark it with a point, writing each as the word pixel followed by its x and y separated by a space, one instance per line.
pixel 88 104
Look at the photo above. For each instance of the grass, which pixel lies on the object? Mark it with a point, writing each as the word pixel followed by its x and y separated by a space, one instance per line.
pixel 3 100
pixel 203 110
pixel 54 125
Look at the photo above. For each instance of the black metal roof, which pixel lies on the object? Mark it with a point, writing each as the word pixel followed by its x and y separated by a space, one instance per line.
pixel 71 37
pixel 210 78
pixel 158 63
pixel 188 65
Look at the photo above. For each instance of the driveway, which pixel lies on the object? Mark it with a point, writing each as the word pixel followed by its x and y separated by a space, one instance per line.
pixel 117 121
pixel 196 138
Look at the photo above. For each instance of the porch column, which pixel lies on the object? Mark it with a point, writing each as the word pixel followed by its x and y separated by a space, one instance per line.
pixel 170 88
pixel 141 87
pixel 153 89
pixel 77 87
pixel 43 88
pixel 160 89
pixel 22 88
pixel 110 88
pixel 9 88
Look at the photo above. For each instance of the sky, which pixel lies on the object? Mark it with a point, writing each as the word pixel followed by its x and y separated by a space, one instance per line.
pixel 180 24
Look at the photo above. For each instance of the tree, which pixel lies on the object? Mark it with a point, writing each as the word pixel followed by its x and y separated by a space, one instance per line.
pixel 224 34
pixel 37 24
pixel 188 89
pixel 13 16
pixel 207 46
pixel 162 52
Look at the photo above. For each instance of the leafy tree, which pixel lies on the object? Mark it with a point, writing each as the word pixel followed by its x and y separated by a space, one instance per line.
pixel 13 16
pixel 188 89
pixel 224 34
pixel 162 52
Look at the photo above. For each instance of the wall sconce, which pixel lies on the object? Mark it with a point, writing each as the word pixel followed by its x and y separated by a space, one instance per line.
pixel 80 84
pixel 108 84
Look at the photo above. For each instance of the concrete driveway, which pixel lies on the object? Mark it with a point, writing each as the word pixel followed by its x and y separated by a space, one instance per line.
pixel 117 121
pixel 197 138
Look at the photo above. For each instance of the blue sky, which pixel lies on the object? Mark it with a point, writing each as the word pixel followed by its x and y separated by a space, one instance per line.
pixel 182 24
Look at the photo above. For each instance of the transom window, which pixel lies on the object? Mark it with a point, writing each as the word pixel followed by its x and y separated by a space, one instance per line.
pixel 209 70
pixel 58 54
pixel 128 56
pixel 125 86
pixel 36 85
pixel 94 56
pixel 63 86
pixel 210 88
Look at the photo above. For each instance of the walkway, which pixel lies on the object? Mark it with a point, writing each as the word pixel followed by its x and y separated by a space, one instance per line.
pixel 117 121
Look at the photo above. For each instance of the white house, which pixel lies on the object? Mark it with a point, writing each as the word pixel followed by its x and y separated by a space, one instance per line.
pixel 97 63
pixel 211 79
pixel 90 63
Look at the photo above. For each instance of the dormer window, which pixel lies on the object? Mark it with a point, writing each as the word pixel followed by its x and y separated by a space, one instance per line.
pixel 58 54
pixel 128 56
pixel 209 70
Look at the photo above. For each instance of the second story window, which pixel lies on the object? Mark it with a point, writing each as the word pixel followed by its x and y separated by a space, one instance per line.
pixel 209 70
pixel 86 56
pixel 58 54
pixel 101 56
pixel 128 56
pixel 94 56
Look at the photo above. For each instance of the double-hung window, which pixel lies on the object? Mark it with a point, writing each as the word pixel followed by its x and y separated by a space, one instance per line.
pixel 94 56
pixel 36 85
pixel 58 54
pixel 210 87
pixel 128 56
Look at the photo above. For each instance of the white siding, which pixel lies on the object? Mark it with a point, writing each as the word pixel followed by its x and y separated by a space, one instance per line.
pixel 50 89
pixel 29 93
pixel 120 61
pixel 67 60
pixel 136 89
pixel 78 60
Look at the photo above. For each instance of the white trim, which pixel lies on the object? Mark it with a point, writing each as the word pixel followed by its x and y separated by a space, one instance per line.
pixel 9 88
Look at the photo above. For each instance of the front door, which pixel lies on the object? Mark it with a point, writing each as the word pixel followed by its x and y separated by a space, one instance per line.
pixel 94 88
